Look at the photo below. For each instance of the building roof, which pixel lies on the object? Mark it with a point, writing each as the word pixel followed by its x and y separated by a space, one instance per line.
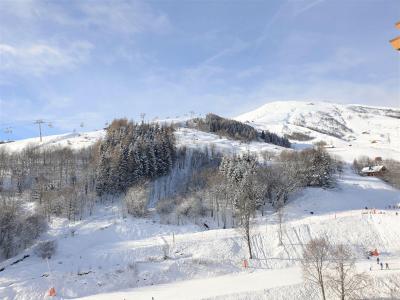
pixel 395 43
pixel 372 169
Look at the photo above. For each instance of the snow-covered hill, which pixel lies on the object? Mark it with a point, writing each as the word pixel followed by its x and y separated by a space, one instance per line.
pixel 124 256
pixel 75 140
pixel 351 129
pixel 187 137
pixel 107 253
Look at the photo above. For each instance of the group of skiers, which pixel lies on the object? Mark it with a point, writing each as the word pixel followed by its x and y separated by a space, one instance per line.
pixel 380 263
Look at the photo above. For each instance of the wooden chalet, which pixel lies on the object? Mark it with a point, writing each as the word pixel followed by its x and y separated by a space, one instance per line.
pixel 373 170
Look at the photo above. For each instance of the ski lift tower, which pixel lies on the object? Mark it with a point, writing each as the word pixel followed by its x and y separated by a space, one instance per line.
pixel 396 41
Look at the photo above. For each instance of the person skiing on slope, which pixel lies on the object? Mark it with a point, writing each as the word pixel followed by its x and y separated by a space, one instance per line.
pixel 381 266
pixel 377 260
pixel 387 266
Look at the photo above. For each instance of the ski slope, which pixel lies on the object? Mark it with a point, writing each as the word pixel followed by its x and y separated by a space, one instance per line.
pixel 209 287
pixel 350 130
pixel 75 141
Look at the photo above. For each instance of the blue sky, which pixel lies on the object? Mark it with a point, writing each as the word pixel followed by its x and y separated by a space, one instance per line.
pixel 69 62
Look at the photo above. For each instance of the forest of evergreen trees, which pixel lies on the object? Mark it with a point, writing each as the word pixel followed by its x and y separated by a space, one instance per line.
pixel 236 130
pixel 131 153
pixel 272 138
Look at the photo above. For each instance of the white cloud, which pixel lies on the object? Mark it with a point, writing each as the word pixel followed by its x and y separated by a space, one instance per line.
pixel 41 58
pixel 116 16
pixel 123 17
pixel 39 37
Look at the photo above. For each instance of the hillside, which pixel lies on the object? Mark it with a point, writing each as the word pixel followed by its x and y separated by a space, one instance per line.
pixel 352 130
pixel 107 253
pixel 110 254
pixel 349 130
pixel 187 137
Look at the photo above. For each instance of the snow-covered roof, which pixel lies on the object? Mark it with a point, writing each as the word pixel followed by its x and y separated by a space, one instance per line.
pixel 372 169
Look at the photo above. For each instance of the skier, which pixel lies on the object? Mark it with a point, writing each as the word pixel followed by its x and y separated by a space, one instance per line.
pixel 381 266
pixel 387 266
pixel 377 260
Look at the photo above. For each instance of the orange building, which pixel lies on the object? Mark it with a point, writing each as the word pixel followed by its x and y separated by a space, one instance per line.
pixel 396 41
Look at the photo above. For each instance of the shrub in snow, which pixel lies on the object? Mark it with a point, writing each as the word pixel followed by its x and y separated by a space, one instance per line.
pixel 136 200
pixel 18 227
pixel 46 249
pixel 202 261
pixel 165 207
pixel 33 226
pixel 192 207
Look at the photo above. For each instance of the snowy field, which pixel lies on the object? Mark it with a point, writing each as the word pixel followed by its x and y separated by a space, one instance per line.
pixel 107 256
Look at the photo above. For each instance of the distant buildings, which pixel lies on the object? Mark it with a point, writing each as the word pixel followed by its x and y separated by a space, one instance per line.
pixel 373 170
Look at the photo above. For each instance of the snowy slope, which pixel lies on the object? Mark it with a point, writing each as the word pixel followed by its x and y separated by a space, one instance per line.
pixel 276 273
pixel 108 253
pixel 74 140
pixel 110 257
pixel 187 137
pixel 352 129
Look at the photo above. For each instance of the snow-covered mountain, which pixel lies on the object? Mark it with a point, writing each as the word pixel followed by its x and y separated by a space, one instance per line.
pixel 363 130
pixel 346 122
pixel 350 130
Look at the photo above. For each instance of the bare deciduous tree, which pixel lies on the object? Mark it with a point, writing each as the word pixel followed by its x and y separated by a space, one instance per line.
pixel 392 287
pixel 250 194
pixel 280 213
pixel 344 281
pixel 316 263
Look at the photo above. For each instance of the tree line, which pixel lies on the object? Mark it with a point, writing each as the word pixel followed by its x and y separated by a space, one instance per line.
pixel 236 130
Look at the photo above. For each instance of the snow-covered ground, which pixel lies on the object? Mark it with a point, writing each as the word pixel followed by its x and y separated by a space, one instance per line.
pixel 76 140
pixel 108 253
pixel 111 257
pixel 197 139
pixel 187 137
pixel 351 130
